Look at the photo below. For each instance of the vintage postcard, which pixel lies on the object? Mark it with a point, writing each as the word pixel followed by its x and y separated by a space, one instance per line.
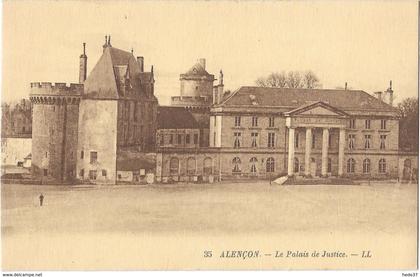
pixel 209 135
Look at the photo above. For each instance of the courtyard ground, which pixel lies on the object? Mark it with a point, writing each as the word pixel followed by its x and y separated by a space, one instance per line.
pixel 106 227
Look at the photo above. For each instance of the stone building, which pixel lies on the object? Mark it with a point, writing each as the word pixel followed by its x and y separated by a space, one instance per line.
pixel 305 132
pixel 79 130
pixel 118 112
pixel 265 132
pixel 16 120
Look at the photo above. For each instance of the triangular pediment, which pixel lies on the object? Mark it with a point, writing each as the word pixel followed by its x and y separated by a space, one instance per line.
pixel 317 108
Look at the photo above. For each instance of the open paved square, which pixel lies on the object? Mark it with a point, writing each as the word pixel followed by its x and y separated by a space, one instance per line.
pixel 206 210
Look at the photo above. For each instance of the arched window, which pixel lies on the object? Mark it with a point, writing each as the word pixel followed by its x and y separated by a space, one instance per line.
pixel 351 164
pixel 382 166
pixel 269 166
pixel 208 168
pixel 174 166
pixel 191 166
pixel 329 167
pixel 366 166
pixel 253 162
pixel 296 165
pixel 236 165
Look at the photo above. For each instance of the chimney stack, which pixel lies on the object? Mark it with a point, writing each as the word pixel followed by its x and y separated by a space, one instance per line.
pixel 215 95
pixel 202 62
pixel 83 65
pixel 140 61
pixel 345 86
pixel 390 94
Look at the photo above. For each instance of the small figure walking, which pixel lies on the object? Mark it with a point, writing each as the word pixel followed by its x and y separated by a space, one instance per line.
pixel 41 199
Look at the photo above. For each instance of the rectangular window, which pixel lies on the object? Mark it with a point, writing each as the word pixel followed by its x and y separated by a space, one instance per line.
pixel 46 154
pixel 162 140
pixel 352 139
pixel 297 140
pixel 92 174
pixel 195 138
pixel 214 139
pixel 271 121
pixel 368 142
pixel 187 138
pixel 313 141
pixel 237 121
pixel 254 121
pixel 383 141
pixel 103 172
pixel 383 124
pixel 237 141
pixel 367 124
pixel 352 124
pixel 171 139
pixel 254 139
pixel 271 140
pixel 93 157
pixel 179 139
pixel 82 173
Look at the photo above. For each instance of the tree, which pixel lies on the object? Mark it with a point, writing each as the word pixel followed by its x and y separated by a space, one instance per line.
pixel 274 80
pixel 293 79
pixel 310 80
pixel 408 114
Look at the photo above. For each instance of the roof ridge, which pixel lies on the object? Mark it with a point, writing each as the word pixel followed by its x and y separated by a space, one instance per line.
pixel 286 88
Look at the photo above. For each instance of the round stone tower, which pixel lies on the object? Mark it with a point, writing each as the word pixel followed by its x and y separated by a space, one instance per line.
pixel 55 117
pixel 196 87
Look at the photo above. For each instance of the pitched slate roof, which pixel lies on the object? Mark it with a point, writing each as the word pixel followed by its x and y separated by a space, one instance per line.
pixel 175 118
pixel 293 98
pixel 104 78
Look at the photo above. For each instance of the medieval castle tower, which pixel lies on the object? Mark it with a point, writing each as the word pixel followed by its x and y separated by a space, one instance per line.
pixel 198 94
pixel 79 130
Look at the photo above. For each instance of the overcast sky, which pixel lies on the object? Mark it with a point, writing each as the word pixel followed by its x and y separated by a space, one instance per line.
pixel 363 43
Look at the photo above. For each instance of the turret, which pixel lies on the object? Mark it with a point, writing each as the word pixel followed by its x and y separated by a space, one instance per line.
pixel 83 65
pixel 140 61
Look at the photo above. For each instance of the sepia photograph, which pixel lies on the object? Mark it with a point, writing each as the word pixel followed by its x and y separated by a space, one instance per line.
pixel 209 135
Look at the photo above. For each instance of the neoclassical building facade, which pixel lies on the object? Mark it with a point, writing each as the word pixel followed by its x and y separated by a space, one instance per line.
pixel 267 132
pixel 310 132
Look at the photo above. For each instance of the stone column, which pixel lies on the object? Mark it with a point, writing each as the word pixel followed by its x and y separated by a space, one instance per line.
pixel 324 168
pixel 291 156
pixel 341 144
pixel 308 147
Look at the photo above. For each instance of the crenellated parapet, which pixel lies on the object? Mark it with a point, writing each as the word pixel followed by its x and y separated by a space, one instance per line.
pixel 47 88
pixel 55 93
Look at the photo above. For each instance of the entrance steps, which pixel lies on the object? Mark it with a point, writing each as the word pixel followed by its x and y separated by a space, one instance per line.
pixel 319 181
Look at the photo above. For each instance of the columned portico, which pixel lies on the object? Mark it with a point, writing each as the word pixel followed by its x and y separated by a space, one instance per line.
pixel 324 155
pixel 310 118
pixel 308 146
pixel 291 155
